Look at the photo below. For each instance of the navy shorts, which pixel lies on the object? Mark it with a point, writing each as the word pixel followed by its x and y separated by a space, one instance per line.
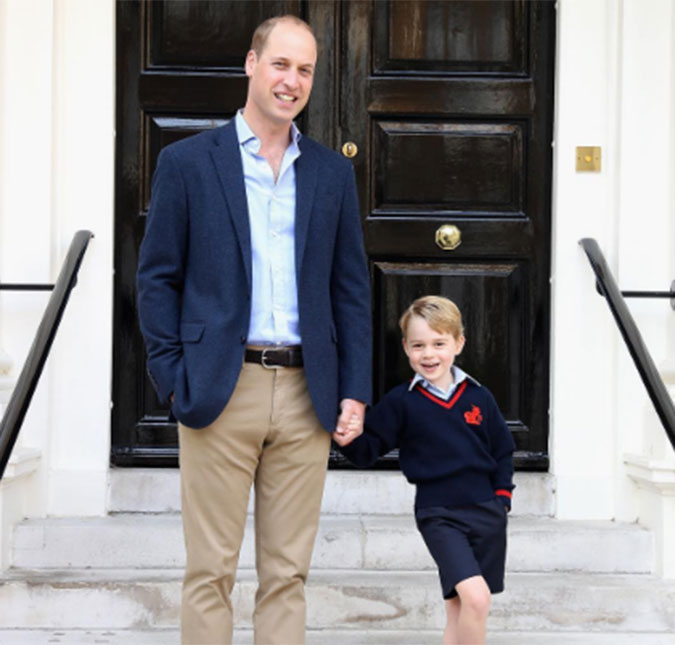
pixel 466 541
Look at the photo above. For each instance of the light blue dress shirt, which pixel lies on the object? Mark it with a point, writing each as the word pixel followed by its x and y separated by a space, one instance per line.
pixel 458 374
pixel 271 211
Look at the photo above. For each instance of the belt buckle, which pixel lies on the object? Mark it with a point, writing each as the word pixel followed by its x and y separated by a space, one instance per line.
pixel 263 360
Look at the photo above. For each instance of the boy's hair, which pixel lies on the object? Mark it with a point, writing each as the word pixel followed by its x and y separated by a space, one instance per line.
pixel 262 32
pixel 441 314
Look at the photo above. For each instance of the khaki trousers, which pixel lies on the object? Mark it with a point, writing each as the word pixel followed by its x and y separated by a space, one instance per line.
pixel 269 436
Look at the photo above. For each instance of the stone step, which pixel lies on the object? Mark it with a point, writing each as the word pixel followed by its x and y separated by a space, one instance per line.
pixel 323 637
pixel 343 542
pixel 157 490
pixel 337 600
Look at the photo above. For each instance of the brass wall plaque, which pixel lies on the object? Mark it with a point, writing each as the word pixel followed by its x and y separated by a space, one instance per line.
pixel 589 158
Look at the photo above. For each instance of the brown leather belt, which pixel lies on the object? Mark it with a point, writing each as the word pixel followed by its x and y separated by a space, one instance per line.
pixel 271 357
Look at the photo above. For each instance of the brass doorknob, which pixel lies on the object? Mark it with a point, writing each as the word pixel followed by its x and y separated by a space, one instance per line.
pixel 350 150
pixel 448 237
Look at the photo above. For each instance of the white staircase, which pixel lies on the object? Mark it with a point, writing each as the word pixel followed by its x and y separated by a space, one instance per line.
pixel 117 579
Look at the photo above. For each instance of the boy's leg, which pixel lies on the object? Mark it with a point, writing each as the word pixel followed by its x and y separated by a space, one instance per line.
pixel 474 606
pixel 452 619
pixel 468 545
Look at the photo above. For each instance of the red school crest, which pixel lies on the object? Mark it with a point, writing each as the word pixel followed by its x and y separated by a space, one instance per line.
pixel 473 416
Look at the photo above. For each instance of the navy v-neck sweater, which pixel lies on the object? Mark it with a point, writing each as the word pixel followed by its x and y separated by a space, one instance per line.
pixel 456 452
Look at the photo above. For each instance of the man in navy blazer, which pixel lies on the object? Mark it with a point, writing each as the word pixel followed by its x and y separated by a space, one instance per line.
pixel 253 296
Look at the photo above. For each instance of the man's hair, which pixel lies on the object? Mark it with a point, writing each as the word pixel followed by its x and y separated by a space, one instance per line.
pixel 261 34
pixel 441 314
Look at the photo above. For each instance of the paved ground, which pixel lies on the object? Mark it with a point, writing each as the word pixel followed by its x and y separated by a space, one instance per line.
pixel 170 637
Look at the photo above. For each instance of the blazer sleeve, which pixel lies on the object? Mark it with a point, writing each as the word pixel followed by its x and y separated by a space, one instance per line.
pixel 160 276
pixel 350 295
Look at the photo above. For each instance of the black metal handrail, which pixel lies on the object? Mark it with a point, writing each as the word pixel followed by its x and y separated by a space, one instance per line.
pixel 663 403
pixel 18 404
pixel 652 294
pixel 28 286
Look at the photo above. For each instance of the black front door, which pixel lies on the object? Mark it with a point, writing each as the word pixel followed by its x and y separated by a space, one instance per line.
pixel 449 105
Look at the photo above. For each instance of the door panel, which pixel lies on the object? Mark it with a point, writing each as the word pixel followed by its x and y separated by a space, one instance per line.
pixel 467 168
pixel 449 37
pixel 161 130
pixel 494 350
pixel 208 35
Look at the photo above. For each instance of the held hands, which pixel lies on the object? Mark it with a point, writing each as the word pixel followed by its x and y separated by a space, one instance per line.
pixel 350 422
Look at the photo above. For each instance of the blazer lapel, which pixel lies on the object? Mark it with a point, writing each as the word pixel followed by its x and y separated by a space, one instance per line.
pixel 305 188
pixel 227 159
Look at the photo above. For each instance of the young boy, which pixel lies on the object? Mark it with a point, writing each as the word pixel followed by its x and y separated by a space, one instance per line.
pixel 455 447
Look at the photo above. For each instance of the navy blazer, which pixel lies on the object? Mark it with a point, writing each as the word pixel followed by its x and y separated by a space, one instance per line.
pixel 194 277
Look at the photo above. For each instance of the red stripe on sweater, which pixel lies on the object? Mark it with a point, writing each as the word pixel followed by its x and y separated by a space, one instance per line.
pixel 446 404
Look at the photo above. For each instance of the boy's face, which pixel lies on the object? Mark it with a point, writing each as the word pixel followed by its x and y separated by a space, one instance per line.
pixel 281 77
pixel 431 353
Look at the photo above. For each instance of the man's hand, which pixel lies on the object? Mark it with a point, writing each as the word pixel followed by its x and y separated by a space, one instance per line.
pixel 350 422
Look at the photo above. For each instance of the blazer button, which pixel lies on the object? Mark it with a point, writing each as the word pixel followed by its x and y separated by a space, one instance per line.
pixel 243 340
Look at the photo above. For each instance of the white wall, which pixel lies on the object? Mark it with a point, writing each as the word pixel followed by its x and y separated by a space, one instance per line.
pixel 56 170
pixel 25 177
pixel 583 402
pixel 83 176
pixel 614 89
pixel 647 172
pixel 670 229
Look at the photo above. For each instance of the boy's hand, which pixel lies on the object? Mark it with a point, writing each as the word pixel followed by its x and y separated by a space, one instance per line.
pixel 350 422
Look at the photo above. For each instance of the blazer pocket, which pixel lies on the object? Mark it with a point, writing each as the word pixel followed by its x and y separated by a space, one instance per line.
pixel 191 332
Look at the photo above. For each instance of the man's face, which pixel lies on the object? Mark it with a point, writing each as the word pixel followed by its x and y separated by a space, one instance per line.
pixel 280 79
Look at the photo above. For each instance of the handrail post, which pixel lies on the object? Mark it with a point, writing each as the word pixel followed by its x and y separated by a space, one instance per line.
pixel 656 389
pixel 20 399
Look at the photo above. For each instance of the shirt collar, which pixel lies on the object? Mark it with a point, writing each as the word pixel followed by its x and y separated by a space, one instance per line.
pixel 247 137
pixel 458 374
